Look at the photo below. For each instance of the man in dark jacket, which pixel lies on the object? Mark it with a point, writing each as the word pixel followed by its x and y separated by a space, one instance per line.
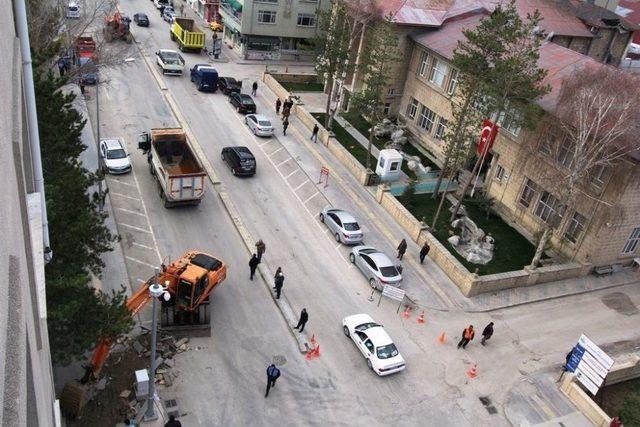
pixel 254 88
pixel 261 248
pixel 273 374
pixel 173 422
pixel 304 318
pixel 279 282
pixel 314 133
pixel 253 264
pixel 424 251
pixel 486 333
pixel 402 248
pixel 278 105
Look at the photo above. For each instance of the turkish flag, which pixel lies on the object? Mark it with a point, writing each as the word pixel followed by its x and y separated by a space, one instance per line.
pixel 487 137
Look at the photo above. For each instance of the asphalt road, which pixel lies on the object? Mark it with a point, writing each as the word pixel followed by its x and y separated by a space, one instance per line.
pixel 222 378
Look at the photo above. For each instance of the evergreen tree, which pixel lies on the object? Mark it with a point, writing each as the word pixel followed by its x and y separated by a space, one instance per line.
pixel 78 316
pixel 379 58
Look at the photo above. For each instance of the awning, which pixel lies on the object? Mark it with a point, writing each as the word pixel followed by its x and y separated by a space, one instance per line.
pixel 235 5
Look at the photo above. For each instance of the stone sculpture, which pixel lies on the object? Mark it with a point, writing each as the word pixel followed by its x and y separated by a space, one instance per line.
pixel 471 242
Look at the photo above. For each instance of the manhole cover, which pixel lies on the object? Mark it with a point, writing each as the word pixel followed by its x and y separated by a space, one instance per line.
pixel 620 302
pixel 486 402
pixel 279 360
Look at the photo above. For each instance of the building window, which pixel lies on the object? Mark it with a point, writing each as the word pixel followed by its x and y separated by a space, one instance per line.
pixel 427 119
pixel 424 61
pixel 499 175
pixel 387 108
pixel 453 82
pixel 528 192
pixel 391 91
pixel 510 121
pixel 441 127
pixel 439 71
pixel 267 16
pixel 565 153
pixel 306 20
pixel 547 206
pixel 575 227
pixel 632 243
pixel 599 176
pixel 412 108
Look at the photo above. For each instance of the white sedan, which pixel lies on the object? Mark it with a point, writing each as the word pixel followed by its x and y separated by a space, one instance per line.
pixel 259 124
pixel 114 157
pixel 373 342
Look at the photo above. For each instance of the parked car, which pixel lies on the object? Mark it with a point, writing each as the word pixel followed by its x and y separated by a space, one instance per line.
pixel 113 156
pixel 170 61
pixel 73 10
pixel 169 15
pixel 227 85
pixel 242 102
pixel 259 124
pixel 88 71
pixel 159 3
pixel 342 224
pixel 240 160
pixel 141 19
pixel 376 266
pixel 205 77
pixel 374 343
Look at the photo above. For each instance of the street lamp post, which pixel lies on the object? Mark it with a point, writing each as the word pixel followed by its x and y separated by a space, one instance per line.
pixel 156 291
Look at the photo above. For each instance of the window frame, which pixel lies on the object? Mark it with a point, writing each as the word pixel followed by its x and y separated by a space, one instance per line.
pixel 434 71
pixel 575 228
pixel 454 77
pixel 631 244
pixel 546 207
pixel 441 128
pixel 530 189
pixel 565 153
pixel 601 176
pixel 499 173
pixel 310 16
pixel 412 108
pixel 423 64
pixel 426 119
pixel 262 13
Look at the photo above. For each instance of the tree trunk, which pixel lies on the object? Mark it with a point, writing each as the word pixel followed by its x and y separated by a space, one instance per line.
pixel 368 162
pixel 444 196
pixel 343 77
pixel 540 249
pixel 439 181
pixel 331 84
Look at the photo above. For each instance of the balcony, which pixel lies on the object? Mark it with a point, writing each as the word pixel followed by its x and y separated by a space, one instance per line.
pixel 232 9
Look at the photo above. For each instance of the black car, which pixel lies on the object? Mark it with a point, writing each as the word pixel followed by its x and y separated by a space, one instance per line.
pixel 242 102
pixel 240 160
pixel 228 85
pixel 141 19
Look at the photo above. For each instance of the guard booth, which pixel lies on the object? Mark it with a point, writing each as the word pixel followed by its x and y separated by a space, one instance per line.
pixel 389 164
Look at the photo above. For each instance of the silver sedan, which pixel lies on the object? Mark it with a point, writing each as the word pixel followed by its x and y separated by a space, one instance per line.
pixel 376 266
pixel 342 224
pixel 259 124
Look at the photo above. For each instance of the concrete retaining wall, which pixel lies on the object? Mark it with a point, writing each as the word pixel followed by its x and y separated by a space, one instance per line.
pixel 624 371
pixel 583 402
pixel 275 87
pixel 295 78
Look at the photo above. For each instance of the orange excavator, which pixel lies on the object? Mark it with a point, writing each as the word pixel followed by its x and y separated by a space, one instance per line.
pixel 117 26
pixel 189 280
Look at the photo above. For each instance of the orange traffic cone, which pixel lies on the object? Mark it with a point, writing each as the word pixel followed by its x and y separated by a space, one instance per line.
pixel 441 339
pixel 316 352
pixel 406 313
pixel 421 317
pixel 309 354
pixel 313 340
pixel 473 372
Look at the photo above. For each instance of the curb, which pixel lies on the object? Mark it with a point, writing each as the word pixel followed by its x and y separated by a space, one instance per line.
pixel 265 272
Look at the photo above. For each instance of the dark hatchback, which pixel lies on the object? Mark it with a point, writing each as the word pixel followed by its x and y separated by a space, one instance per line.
pixel 240 160
pixel 141 19
pixel 243 103
pixel 229 85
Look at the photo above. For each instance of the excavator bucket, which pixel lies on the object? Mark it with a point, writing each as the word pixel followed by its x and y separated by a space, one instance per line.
pixel 100 355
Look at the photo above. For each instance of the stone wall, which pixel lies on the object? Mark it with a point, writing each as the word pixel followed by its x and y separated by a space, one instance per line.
pixel 275 87
pixel 295 78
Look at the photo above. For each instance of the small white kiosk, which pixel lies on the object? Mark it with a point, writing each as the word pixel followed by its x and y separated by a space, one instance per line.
pixel 389 163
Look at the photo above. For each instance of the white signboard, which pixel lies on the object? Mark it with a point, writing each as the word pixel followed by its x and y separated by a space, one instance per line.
pixel 590 364
pixel 596 352
pixel 393 293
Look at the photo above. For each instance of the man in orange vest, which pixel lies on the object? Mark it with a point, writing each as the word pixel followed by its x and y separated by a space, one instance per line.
pixel 467 335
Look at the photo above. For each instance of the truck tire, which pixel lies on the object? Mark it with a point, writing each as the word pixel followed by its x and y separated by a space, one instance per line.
pixel 173 36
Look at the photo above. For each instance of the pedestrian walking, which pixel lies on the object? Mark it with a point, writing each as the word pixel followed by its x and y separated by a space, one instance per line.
pixel 285 125
pixel 278 105
pixel 304 318
pixel 261 248
pixel 467 335
pixel 181 10
pixel 61 66
pixel 278 272
pixel 314 133
pixel 253 264
pixel 161 10
pixel 279 282
pixel 273 374
pixel 82 88
pixel 486 333
pixel 424 251
pixel 173 422
pixel 402 248
pixel 254 88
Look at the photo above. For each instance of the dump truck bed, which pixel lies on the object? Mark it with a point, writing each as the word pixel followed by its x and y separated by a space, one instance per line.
pixel 187 34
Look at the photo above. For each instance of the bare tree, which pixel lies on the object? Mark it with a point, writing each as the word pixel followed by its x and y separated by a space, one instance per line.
pixel 595 126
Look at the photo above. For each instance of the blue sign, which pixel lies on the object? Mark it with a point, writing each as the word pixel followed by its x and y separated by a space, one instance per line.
pixel 575 358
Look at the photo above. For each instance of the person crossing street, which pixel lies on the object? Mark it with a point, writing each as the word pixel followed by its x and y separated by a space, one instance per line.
pixel 253 265
pixel 304 318
pixel 467 335
pixel 273 373
pixel 487 333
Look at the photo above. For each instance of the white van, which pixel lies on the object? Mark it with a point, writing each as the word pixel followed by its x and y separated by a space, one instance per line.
pixel 73 10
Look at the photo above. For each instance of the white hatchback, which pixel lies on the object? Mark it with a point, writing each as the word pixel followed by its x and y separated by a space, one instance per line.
pixel 374 343
pixel 259 124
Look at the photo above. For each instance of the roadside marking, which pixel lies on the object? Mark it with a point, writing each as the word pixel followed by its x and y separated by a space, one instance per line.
pixel 338 246
pixel 314 195
pixel 144 208
pixel 303 183
pixel 140 280
pixel 123 195
pixel 140 262
pixel 261 145
pixel 296 170
pixel 281 148
pixel 130 211
pixel 142 246
pixel 121 182
pixel 133 227
pixel 283 162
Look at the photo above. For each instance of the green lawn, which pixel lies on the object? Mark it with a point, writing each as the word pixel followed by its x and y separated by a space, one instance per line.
pixel 512 251
pixel 303 87
pixel 347 141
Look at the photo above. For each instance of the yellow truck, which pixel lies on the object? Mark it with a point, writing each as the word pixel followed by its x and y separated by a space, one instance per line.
pixel 186 33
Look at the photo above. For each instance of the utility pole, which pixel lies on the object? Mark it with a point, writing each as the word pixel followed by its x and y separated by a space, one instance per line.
pixel 155 291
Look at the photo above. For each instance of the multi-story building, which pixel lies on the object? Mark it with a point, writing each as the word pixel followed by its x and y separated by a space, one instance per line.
pixel 272 29
pixel 27 395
